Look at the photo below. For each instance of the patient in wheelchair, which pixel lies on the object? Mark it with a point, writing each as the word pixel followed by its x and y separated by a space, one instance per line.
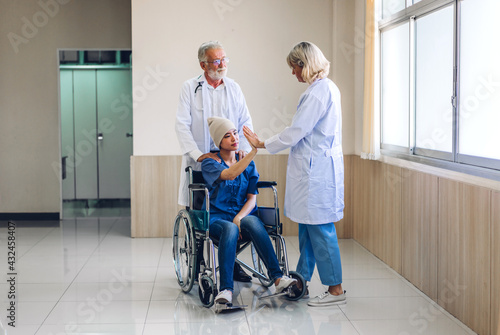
pixel 232 183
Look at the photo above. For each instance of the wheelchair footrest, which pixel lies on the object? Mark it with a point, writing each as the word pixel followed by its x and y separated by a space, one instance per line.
pixel 287 292
pixel 274 295
pixel 219 308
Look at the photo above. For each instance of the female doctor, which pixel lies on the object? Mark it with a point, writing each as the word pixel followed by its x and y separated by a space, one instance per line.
pixel 314 195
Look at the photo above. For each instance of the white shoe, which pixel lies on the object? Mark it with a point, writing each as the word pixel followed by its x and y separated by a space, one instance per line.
pixel 224 297
pixel 327 299
pixel 285 282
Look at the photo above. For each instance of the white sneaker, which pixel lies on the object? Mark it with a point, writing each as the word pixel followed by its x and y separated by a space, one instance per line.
pixel 224 297
pixel 285 282
pixel 327 299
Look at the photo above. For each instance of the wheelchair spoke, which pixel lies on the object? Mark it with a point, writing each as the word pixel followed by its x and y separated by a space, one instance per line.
pixel 183 251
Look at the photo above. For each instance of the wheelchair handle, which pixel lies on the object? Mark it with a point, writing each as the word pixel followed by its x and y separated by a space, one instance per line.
pixel 266 184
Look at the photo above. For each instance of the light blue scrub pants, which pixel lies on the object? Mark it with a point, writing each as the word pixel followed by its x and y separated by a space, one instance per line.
pixel 319 245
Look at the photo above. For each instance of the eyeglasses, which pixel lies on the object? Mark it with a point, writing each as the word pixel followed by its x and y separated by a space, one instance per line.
pixel 217 62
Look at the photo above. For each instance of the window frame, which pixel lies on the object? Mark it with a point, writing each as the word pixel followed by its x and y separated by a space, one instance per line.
pixel 473 165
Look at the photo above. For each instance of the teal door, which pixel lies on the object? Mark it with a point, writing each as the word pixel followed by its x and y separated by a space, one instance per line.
pixel 114 130
pixel 96 133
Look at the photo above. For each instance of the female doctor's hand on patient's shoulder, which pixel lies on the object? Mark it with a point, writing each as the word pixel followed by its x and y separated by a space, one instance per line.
pixel 252 138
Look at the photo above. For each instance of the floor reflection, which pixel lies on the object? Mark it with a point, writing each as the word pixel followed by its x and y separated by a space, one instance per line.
pixel 86 275
pixel 96 208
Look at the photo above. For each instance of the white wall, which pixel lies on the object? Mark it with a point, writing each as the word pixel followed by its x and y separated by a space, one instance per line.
pixel 32 31
pixel 346 54
pixel 359 67
pixel 257 36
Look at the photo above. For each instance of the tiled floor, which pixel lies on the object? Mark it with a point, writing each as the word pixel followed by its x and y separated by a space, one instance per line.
pixel 87 276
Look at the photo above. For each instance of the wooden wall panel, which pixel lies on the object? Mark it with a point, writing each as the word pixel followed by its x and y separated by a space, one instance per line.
pixel 344 226
pixel 154 189
pixel 464 253
pixel 376 209
pixel 357 199
pixel 389 238
pixel 154 192
pixel 374 216
pixel 449 232
pixel 420 230
pixel 495 263
pixel 361 194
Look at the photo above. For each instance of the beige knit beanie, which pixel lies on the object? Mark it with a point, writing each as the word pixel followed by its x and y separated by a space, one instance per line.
pixel 218 127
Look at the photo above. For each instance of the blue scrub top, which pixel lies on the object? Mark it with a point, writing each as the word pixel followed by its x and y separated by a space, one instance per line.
pixel 227 197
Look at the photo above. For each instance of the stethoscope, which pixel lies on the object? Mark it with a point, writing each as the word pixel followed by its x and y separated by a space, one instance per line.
pixel 197 87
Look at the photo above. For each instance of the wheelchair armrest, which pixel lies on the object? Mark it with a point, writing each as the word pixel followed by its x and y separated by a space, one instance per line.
pixel 197 187
pixel 266 184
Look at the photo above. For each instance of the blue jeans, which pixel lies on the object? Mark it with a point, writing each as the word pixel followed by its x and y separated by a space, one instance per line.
pixel 252 229
pixel 319 245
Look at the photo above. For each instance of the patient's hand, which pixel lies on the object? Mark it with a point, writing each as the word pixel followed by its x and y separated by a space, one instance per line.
pixel 237 221
pixel 252 138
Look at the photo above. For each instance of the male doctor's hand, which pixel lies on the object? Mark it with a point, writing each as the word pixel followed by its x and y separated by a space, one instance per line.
pixel 212 155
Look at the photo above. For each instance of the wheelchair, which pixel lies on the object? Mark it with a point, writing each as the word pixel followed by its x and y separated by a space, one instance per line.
pixel 194 251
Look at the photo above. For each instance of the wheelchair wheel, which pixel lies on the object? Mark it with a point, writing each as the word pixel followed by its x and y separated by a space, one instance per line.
pixel 259 265
pixel 208 293
pixel 184 251
pixel 296 293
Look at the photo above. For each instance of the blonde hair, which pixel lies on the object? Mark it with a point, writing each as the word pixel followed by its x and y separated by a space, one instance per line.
pixel 312 61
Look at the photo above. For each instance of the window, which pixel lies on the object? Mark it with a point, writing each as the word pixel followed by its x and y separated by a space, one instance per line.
pixel 479 99
pixel 390 7
pixel 434 83
pixel 440 83
pixel 395 86
pixel 95 57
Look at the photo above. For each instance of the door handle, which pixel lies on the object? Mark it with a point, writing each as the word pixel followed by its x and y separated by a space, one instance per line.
pixel 129 135
pixel 100 137
pixel 64 167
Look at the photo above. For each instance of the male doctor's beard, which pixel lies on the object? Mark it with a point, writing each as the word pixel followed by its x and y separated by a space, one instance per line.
pixel 217 74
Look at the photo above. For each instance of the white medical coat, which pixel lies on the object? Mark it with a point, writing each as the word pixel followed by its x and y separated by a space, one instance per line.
pixel 315 172
pixel 191 123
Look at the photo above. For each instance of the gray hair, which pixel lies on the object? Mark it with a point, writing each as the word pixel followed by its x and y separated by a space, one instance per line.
pixel 202 51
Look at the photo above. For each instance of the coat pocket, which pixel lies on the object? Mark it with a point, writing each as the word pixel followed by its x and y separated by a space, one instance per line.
pixel 198 98
pixel 295 168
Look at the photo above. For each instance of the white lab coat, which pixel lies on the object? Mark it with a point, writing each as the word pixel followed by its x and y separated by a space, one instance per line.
pixel 191 124
pixel 315 172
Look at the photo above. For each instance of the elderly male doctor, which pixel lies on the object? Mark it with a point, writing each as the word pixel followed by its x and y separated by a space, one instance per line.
pixel 209 94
